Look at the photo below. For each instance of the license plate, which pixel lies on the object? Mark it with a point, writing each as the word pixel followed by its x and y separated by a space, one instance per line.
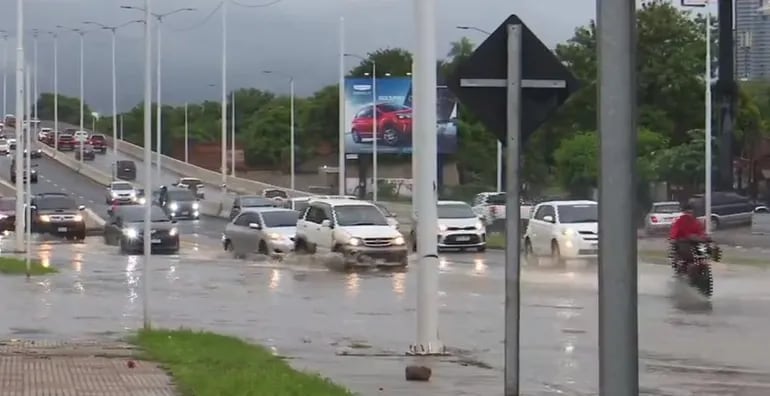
pixel 380 261
pixel 185 213
pixel 62 229
pixel 463 239
pixel 156 241
pixel 595 244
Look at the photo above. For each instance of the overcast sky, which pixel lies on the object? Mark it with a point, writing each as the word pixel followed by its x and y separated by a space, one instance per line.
pixel 297 37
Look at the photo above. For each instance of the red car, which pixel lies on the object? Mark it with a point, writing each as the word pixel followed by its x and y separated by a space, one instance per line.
pixel 66 142
pixel 99 143
pixel 394 124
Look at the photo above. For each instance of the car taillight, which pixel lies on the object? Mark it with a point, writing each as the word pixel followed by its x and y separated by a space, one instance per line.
pixel 653 219
pixel 492 210
pixel 404 116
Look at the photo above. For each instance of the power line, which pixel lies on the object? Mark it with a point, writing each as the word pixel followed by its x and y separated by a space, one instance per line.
pixel 268 4
pixel 197 24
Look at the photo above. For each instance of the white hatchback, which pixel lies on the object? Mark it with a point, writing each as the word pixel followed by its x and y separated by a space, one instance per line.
pixel 563 230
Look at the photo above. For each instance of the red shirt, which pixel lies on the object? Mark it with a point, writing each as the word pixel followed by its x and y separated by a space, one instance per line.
pixel 686 226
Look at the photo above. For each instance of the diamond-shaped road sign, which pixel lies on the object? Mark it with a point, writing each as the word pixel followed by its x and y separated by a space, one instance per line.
pixel 479 82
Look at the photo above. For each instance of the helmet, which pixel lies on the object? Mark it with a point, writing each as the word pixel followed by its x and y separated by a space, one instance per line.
pixel 688 207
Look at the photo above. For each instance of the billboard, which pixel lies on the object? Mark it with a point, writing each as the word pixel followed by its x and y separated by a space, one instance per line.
pixel 394 116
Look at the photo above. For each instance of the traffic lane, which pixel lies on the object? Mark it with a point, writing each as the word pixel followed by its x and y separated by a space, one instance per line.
pixel 324 319
pixel 94 195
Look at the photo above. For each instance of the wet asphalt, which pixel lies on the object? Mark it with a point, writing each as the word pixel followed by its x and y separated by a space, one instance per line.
pixel 296 306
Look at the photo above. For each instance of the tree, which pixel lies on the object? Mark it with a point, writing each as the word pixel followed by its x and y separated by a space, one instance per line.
pixel 69 109
pixel 393 61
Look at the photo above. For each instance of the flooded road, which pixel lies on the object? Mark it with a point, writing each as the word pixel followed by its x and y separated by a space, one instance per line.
pixel 355 327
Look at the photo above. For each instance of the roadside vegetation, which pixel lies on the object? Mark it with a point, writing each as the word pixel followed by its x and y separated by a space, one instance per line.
pixel 15 266
pixel 208 364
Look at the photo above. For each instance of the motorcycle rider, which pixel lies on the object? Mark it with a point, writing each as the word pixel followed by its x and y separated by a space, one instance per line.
pixel 687 231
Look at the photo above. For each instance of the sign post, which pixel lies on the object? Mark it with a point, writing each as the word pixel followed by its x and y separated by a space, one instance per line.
pixel 527 102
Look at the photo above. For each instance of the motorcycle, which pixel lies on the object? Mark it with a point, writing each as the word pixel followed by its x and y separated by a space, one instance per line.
pixel 698 272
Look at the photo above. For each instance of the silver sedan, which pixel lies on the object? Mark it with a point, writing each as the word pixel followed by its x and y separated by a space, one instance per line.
pixel 264 230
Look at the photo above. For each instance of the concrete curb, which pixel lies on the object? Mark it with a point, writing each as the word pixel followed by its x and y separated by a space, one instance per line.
pixel 208 208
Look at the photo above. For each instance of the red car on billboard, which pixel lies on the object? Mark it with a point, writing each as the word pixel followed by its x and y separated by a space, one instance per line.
pixel 394 124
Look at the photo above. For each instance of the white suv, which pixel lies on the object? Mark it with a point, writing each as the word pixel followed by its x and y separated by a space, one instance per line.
pixel 357 229
pixel 458 227
pixel 563 230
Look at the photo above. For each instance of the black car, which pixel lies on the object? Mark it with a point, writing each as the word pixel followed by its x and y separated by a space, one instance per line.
pixel 57 214
pixel 32 172
pixel 727 209
pixel 178 203
pixel 88 153
pixel 125 170
pixel 125 228
pixel 7 214
pixel 250 201
pixel 35 154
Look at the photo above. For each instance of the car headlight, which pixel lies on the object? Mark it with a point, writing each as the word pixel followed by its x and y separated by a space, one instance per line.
pixel 274 236
pixel 195 206
pixel 2 216
pixel 131 233
pixel 479 225
pixel 45 218
pixel 142 200
pixel 78 218
pixel 114 194
pixel 399 241
pixel 354 241
pixel 173 206
pixel 173 231
pixel 442 228
pixel 568 232
pixel 132 193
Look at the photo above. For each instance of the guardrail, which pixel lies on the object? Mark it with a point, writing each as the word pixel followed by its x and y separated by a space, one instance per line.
pixel 208 208
pixel 207 176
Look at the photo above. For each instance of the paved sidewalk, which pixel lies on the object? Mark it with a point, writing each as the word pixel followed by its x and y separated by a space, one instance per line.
pixel 42 368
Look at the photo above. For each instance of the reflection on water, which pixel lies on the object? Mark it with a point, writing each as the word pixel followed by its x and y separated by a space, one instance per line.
pixel 443 264
pixel 132 279
pixel 398 282
pixel 352 284
pixel 171 274
pixel 77 262
pixel 44 308
pixel 480 268
pixel 275 279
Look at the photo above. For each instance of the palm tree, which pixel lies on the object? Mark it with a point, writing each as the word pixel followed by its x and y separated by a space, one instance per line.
pixel 460 49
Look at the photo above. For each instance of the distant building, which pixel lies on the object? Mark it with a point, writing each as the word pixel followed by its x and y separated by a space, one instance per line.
pixel 752 40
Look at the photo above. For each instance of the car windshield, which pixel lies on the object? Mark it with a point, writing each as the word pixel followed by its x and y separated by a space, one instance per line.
pixel 582 213
pixel 97 137
pixel 384 209
pixel 496 199
pixel 7 204
pixel 183 195
pixel 122 186
pixel 666 208
pixel 355 215
pixel 301 205
pixel 455 211
pixel 190 181
pixel 135 214
pixel 276 194
pixel 255 202
pixel 49 203
pixel 391 107
pixel 280 218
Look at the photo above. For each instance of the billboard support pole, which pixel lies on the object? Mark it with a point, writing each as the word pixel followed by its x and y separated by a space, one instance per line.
pixel 374 131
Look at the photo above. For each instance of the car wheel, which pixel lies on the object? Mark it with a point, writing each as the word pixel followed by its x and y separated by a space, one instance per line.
pixel 123 247
pixel 262 248
pixel 356 136
pixel 413 239
pixel 404 261
pixel 299 246
pixel 481 249
pixel 391 136
pixel 228 246
pixel 556 253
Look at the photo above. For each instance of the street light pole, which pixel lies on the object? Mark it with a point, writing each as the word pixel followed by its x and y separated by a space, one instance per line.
pixel 158 106
pixel 186 136
pixel 341 104
pixel 5 72
pixel 374 132
pixel 147 160
pixel 707 195
pixel 292 149
pixel 20 220
pixel 232 134
pixel 55 92
pixel 27 166
pixel 224 97
pixel 35 118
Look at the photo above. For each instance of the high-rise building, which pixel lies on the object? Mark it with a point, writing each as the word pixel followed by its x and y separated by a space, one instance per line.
pixel 752 39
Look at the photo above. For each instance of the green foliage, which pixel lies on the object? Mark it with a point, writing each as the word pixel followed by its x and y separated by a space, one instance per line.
pixel 683 164
pixel 69 109
pixel 395 61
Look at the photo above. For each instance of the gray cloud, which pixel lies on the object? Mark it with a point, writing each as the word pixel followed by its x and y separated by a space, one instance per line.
pixel 298 37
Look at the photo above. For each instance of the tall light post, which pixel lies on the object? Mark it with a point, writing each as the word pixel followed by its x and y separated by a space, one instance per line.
pixel 224 97
pixel 374 124
pixel 232 133
pixel 292 149
pixel 55 37
pixel 158 102
pixel 113 31
pixel 82 34
pixel 186 136
pixel 20 221
pixel 27 165
pixel 35 35
pixel 5 71
pixel 341 92
pixel 499 144
pixel 147 159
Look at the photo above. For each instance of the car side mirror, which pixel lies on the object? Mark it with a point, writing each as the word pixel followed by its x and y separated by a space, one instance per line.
pixel 255 226
pixel 82 207
pixel 548 219
pixel 326 223
pixel 482 217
